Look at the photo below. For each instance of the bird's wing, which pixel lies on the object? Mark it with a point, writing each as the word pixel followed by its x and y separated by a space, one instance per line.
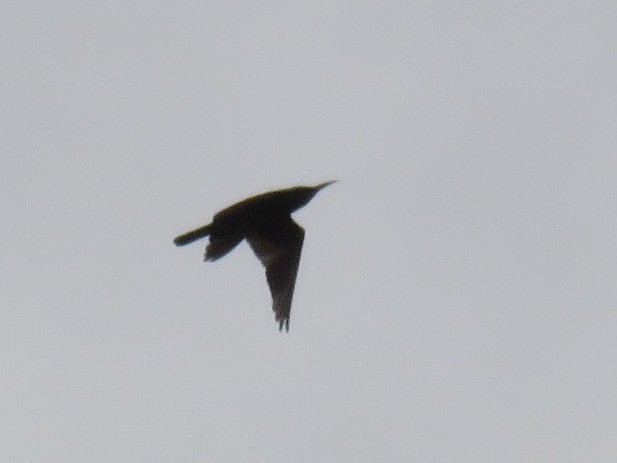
pixel 279 251
pixel 221 245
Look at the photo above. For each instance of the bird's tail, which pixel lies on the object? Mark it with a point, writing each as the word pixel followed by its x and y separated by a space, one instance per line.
pixel 193 235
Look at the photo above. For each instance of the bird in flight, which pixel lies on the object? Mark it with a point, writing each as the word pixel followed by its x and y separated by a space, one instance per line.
pixel 265 222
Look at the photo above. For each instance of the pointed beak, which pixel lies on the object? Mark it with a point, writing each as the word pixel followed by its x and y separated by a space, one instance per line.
pixel 325 184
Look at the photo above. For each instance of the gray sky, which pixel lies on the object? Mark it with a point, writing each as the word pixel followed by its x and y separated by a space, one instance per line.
pixel 457 296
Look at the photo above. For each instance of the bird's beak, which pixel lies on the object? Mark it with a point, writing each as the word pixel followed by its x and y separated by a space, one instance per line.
pixel 325 184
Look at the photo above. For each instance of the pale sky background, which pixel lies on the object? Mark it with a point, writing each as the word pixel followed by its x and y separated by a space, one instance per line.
pixel 457 294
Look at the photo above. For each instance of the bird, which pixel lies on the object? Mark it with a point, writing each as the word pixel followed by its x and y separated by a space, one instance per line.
pixel 265 222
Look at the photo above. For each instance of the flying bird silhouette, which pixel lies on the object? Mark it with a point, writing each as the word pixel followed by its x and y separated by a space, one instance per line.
pixel 265 222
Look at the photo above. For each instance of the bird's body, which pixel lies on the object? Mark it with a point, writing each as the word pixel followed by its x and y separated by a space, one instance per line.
pixel 265 222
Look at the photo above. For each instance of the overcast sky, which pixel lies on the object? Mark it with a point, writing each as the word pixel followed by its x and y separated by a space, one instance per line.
pixel 457 294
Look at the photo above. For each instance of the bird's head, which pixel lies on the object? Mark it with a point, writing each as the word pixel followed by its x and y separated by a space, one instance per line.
pixel 301 195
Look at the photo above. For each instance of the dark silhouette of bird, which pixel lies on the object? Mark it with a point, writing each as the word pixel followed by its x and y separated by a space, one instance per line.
pixel 265 222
